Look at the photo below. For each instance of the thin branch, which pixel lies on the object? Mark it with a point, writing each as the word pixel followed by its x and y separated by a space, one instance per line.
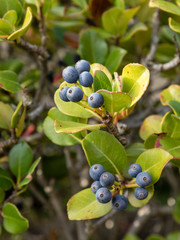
pixel 166 66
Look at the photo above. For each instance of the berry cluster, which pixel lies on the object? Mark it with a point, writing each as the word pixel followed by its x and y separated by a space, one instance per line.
pixel 103 181
pixel 143 179
pixel 75 94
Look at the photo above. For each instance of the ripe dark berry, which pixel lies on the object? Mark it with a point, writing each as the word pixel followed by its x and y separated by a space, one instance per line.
pixel 82 66
pixel 70 74
pixel 107 179
pixel 95 100
pixel 63 94
pixel 85 79
pixel 143 179
pixel 74 94
pixel 141 193
pixel 103 195
pixel 119 202
pixel 95 186
pixel 96 170
pixel 134 169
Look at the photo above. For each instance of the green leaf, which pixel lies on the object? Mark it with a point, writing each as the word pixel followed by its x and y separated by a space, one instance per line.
pixel 84 205
pixel 173 236
pixel 5 28
pixel 165 52
pixel 101 81
pixel 92 47
pixel 13 65
pixel 20 126
pixel 171 124
pixel 134 150
pixel 73 127
pixel 14 119
pixel 20 159
pixel 68 24
pixel 9 81
pixel 70 108
pixel 119 4
pixel 133 30
pixel 5 180
pixel 47 6
pixel 174 25
pixel 62 139
pixel 13 222
pixel 155 237
pixel 165 6
pixel 140 203
pixel 171 97
pixel 115 101
pixel 115 58
pixel 81 3
pixel 135 79
pixel 11 5
pixel 131 237
pixel 150 141
pixel 6 113
pixel 11 17
pixel 115 20
pixel 99 67
pixel 2 195
pixel 176 210
pixel 103 148
pixel 26 25
pixel 28 178
pixel 153 161
pixel 151 124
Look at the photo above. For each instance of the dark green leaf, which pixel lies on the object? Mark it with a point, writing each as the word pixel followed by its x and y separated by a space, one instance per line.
pixel 101 81
pixel 5 180
pixel 8 81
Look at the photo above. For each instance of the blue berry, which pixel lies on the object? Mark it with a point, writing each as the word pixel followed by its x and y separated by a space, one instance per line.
pixel 82 66
pixel 95 186
pixel 70 74
pixel 63 94
pixel 85 79
pixel 143 179
pixel 103 195
pixel 74 94
pixel 107 179
pixel 141 193
pixel 119 202
pixel 96 170
pixel 134 169
pixel 95 100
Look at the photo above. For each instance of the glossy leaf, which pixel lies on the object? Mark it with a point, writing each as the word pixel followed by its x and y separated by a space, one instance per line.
pixel 70 108
pixel 171 124
pixel 171 97
pixel 14 119
pixel 9 82
pixel 11 16
pixel 6 113
pixel 99 67
pixel 84 205
pixel 165 6
pixel 133 30
pixel 73 127
pixel 5 28
pixel 101 81
pixel 13 222
pixel 26 25
pixel 140 203
pixel 150 125
pixel 11 5
pixel 153 161
pixel 92 47
pixel 174 25
pixel 20 159
pixel 103 148
pixel 5 180
pixel 135 79
pixel 115 20
pixel 28 178
pixel 62 139
pixel 115 101
pixel 114 58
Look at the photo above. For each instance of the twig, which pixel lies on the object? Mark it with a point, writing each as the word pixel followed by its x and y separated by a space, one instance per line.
pixel 166 66
pixel 12 140
pixel 154 37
